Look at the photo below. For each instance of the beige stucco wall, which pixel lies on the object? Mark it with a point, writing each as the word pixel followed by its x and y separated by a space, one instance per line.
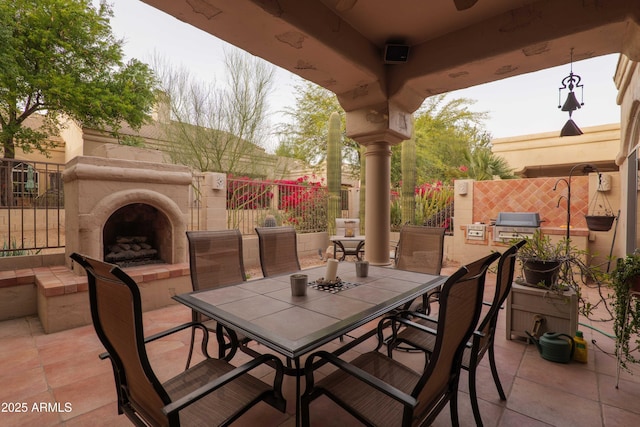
pixel 71 134
pixel 528 153
pixel 627 80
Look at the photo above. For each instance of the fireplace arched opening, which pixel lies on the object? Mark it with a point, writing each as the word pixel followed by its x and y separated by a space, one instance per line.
pixel 137 234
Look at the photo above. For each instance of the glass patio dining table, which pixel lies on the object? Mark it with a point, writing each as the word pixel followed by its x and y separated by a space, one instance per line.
pixel 293 326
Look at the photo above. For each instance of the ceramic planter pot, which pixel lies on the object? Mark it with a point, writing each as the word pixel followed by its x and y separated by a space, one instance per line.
pixel 541 273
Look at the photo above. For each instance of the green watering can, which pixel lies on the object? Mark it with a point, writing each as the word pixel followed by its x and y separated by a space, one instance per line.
pixel 554 346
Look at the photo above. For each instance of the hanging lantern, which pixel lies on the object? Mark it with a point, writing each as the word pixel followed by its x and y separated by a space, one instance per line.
pixel 571 82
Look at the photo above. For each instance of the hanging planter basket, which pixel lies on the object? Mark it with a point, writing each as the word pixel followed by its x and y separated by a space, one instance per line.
pixel 600 217
pixel 599 222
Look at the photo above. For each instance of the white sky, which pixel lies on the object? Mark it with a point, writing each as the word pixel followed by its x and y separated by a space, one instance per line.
pixel 517 106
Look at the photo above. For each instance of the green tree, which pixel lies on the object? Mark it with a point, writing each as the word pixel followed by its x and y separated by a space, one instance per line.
pixel 450 143
pixel 304 136
pixel 445 130
pixel 218 128
pixel 481 164
pixel 59 58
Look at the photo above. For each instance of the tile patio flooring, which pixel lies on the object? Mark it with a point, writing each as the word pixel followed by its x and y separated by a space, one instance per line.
pixel 63 368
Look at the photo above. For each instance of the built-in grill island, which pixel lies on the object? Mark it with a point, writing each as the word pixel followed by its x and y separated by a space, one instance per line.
pixel 514 225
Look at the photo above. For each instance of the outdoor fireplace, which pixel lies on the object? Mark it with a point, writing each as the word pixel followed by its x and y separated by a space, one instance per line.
pixel 136 234
pixel 127 212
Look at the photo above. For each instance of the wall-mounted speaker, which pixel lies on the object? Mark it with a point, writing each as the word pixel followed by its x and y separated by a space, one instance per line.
pixel 396 53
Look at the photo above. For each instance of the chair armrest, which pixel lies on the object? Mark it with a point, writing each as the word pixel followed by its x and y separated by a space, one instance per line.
pixel 393 319
pixel 360 374
pixel 396 321
pixel 474 342
pixel 201 392
pixel 173 330
pixel 163 334
pixel 410 313
pixel 409 323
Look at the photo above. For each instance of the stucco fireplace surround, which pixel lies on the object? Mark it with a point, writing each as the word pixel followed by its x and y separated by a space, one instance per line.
pixel 115 205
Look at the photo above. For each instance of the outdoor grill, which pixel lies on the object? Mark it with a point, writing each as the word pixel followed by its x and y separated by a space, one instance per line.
pixel 513 225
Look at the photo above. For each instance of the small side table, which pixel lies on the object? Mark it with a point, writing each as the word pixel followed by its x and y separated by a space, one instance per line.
pixel 339 242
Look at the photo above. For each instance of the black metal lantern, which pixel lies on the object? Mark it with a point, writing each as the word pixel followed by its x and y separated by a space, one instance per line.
pixel 571 82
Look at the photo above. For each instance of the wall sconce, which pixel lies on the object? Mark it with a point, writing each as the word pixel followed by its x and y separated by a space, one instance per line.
pixel 571 82
pixel 462 187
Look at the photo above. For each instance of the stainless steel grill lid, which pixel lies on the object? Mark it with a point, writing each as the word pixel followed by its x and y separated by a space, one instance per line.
pixel 518 219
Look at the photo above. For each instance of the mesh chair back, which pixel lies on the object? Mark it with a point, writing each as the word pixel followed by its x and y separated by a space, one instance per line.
pixel 460 306
pixel 504 279
pixel 116 311
pixel 341 226
pixel 215 258
pixel 278 250
pixel 420 249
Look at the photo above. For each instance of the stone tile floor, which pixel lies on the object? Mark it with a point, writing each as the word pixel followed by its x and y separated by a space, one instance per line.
pixel 61 374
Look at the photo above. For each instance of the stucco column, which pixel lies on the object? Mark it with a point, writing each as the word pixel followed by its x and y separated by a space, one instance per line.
pixel 378 127
pixel 377 223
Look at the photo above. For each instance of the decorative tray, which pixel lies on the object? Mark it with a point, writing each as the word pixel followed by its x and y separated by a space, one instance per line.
pixel 333 287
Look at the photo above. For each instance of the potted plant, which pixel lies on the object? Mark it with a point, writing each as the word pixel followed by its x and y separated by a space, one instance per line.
pixel 625 281
pixel 549 287
pixel 541 261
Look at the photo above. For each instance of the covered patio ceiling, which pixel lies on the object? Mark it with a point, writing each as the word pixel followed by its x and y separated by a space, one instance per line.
pixel 452 44
pixel 340 44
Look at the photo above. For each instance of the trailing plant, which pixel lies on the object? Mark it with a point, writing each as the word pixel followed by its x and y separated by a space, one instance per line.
pixel 626 309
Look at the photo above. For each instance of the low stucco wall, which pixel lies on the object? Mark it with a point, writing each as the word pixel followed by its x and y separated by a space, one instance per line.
pixel 308 244
pixel 32 261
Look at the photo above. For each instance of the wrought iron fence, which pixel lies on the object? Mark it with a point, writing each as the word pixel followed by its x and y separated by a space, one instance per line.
pixel 32 216
pixel 301 203
pixel 31 206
